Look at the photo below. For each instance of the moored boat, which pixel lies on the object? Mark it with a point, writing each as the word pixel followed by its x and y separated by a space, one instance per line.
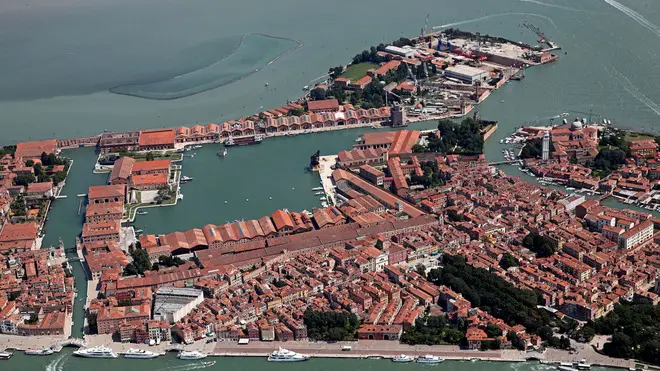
pixel 285 355
pixel 429 359
pixel 566 368
pixel 96 352
pixel 140 354
pixel 402 358
pixel 6 355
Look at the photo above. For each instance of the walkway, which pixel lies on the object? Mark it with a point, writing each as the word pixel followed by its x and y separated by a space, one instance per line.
pixel 325 172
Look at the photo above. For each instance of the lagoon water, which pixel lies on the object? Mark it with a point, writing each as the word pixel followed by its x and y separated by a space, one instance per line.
pixel 60 58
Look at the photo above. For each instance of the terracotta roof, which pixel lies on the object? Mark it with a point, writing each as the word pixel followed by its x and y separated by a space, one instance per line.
pixel 106 191
pixel 160 178
pixel 157 137
pixel 282 219
pixel 151 165
pixel 122 168
pixel 323 105
pixel 102 228
pixel 35 149
pixel 18 232
pixel 186 240
pixel 104 208
pixel 41 187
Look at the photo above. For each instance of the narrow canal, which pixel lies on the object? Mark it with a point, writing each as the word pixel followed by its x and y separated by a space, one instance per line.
pixel 65 223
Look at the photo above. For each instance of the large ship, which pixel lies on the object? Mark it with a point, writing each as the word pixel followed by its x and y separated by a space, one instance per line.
pixel 39 352
pixel 244 141
pixel 189 355
pixel 284 355
pixel 96 352
pixel 140 353
pixel 429 359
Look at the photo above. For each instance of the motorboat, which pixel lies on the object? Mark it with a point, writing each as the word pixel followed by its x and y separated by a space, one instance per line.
pixel 140 353
pixel 96 352
pixel 191 355
pixel 566 368
pixel 141 212
pixel 583 365
pixel 429 359
pixel 284 355
pixel 317 188
pixel 186 178
pixel 39 352
pixel 402 358
pixel 6 355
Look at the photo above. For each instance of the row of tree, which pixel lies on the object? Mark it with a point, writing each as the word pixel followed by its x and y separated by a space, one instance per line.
pixel 434 330
pixel 330 326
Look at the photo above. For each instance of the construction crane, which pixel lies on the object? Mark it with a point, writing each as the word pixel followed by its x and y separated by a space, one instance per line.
pixel 412 76
pixel 537 31
pixel 389 92
pixel 423 32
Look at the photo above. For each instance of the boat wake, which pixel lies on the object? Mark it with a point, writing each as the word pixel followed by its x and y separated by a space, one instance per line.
pixel 458 23
pixel 57 364
pixel 632 90
pixel 187 366
pixel 635 16
pixel 552 5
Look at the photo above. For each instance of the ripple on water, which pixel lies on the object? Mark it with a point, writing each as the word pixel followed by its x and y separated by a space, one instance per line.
pixel 254 52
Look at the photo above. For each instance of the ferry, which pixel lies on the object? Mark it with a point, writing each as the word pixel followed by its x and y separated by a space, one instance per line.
pixel 284 355
pixel 96 352
pixel 39 352
pixel 402 358
pixel 140 353
pixel 190 355
pixel 429 359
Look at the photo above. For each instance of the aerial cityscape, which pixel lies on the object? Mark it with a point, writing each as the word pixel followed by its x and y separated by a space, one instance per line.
pixel 435 199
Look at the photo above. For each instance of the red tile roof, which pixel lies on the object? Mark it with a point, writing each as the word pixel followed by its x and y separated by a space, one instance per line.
pixel 122 168
pixel 19 232
pixel 323 105
pixel 157 137
pixel 106 191
pixel 151 165
pixel 35 149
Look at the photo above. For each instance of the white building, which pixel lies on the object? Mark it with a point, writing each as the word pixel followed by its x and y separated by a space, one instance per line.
pixel 467 73
pixel 404 52
pixel 173 303
pixel 638 235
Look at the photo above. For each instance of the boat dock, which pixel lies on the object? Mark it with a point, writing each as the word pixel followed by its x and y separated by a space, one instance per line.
pixel 325 172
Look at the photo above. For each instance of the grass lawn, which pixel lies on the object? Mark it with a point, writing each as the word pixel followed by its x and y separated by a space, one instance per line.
pixel 636 136
pixel 357 71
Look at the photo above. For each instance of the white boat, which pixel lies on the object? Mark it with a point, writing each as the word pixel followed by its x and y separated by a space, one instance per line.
pixel 140 353
pixel 322 198
pixel 566 368
pixel 429 359
pixel 402 358
pixel 141 212
pixel 306 87
pixel 189 355
pixel 186 178
pixel 317 188
pixel 319 193
pixel 179 196
pixel 583 365
pixel 224 152
pixel 6 355
pixel 284 355
pixel 39 352
pixel 96 352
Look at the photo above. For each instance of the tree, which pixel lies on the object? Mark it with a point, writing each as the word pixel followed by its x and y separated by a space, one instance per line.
pixel 24 180
pixel 541 245
pixel 418 148
pixel 34 318
pixel 508 261
pixel 317 94
pixel 150 156
pixel 332 326
pixel 140 264
pixel 29 163
pixel 420 269
pixel 493 331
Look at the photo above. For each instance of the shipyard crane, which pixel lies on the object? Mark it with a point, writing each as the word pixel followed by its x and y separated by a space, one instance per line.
pixel 412 76
pixel 423 32
pixel 537 31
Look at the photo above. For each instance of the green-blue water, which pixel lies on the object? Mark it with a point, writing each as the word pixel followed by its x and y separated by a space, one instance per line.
pixel 59 58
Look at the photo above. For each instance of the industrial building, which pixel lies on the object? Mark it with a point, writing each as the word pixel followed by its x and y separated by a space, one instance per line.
pixel 404 52
pixel 173 303
pixel 466 73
